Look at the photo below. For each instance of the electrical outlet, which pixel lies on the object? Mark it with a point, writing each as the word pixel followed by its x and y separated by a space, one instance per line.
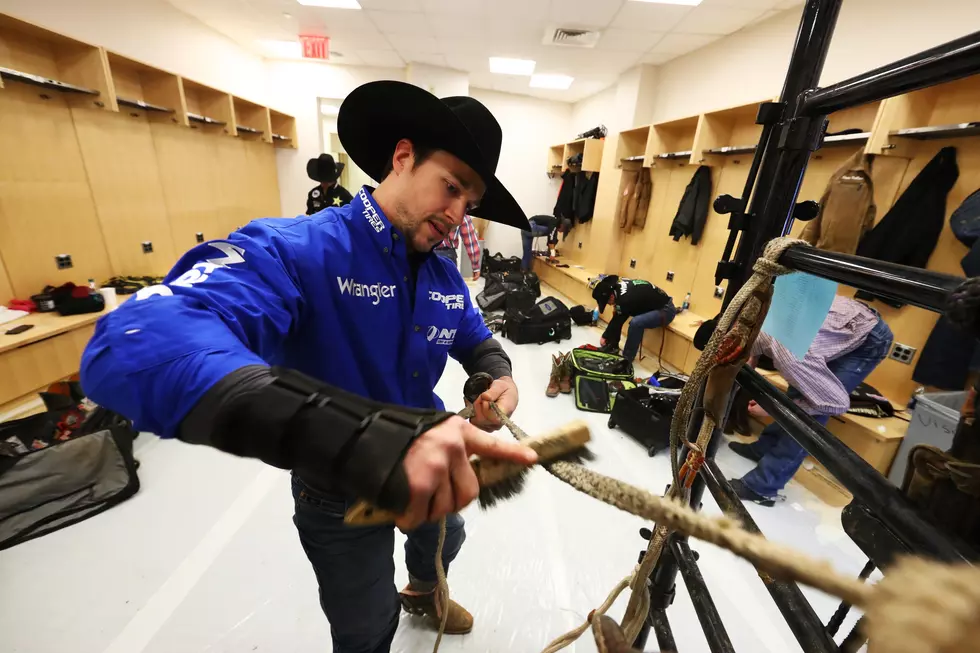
pixel 580 244
pixel 147 247
pixel 63 261
pixel 719 292
pixel 199 236
pixel 670 276
pixel 902 353
pixel 632 262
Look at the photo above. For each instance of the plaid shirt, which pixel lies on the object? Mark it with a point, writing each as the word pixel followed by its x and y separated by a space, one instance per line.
pixel 470 239
pixel 846 327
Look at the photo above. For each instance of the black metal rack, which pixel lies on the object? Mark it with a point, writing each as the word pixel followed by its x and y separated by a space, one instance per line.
pixel 685 154
pixel 939 131
pixel 12 75
pixel 140 104
pixel 249 130
pixel 793 128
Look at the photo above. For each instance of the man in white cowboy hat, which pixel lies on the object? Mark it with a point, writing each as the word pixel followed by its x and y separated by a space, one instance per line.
pixel 315 343
pixel 328 192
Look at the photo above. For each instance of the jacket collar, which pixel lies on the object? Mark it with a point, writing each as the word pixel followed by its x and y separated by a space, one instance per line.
pixel 372 218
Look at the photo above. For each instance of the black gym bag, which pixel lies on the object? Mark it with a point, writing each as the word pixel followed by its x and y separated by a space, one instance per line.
pixel 546 321
pixel 499 296
pixel 527 279
pixel 581 315
pixel 645 413
pixel 497 263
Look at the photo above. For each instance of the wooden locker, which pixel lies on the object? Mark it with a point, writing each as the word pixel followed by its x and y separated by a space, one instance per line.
pixel 264 177
pixel 679 257
pixel 6 291
pixel 46 206
pixel 122 169
pixel 186 164
pixel 232 184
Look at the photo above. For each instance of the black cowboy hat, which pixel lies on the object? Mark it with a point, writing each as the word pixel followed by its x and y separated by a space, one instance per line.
pixel 324 169
pixel 603 290
pixel 375 116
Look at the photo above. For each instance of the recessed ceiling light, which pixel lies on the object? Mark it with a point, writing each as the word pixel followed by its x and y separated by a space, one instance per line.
pixel 282 49
pixel 505 66
pixel 332 4
pixel 560 82
pixel 689 3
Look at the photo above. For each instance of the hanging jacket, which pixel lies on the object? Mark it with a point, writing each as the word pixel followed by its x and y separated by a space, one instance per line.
pixel 847 209
pixel 564 207
pixel 692 212
pixel 909 231
pixel 586 189
pixel 635 200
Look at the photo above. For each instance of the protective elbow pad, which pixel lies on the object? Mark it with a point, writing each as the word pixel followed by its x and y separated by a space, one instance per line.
pixel 329 436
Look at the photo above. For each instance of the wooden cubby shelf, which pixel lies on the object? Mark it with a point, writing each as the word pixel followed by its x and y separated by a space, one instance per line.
pixel 35 57
pixel 672 140
pixel 252 121
pixel 729 150
pixel 282 129
pixel 725 133
pixel 139 86
pixel 631 145
pixel 209 108
pixel 960 130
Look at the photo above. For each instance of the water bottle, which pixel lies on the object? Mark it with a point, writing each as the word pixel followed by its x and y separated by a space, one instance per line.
pixel 687 303
pixel 595 316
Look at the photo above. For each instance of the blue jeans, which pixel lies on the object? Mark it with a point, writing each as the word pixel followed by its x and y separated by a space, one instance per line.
pixel 781 454
pixel 640 323
pixel 537 229
pixel 355 568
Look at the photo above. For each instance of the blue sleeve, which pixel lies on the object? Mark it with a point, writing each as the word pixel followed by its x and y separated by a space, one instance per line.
pixel 471 331
pixel 225 305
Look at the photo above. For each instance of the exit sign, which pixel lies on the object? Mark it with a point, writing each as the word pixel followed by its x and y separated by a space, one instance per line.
pixel 315 47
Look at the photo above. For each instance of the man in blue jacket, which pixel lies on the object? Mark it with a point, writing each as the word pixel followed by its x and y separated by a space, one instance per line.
pixel 314 344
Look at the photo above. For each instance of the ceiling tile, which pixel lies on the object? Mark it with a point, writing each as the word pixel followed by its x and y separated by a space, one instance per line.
pixel 412 43
pixel 678 44
pixel 380 58
pixel 452 26
pixel 525 10
pixel 373 40
pixel 657 58
pixel 430 58
pixel 716 20
pixel 788 4
pixel 584 13
pixel 766 16
pixel 743 4
pixel 648 16
pixel 392 5
pixel 401 22
pixel 457 7
pixel 626 40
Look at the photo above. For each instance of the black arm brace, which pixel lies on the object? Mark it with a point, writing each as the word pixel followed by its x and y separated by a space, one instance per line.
pixel 489 357
pixel 332 438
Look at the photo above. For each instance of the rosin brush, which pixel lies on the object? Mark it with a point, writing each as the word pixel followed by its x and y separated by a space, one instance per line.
pixel 499 480
pixel 479 383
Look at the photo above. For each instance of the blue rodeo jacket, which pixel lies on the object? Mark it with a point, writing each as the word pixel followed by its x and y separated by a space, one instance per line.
pixel 326 294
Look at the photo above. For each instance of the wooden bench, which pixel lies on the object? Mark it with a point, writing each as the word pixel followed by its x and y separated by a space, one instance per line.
pixel 678 350
pixel 32 360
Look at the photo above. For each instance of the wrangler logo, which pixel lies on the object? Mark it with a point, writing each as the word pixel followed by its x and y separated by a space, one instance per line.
pixel 375 291
pixel 441 336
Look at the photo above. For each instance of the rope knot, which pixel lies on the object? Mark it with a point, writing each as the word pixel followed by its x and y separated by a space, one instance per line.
pixel 692 465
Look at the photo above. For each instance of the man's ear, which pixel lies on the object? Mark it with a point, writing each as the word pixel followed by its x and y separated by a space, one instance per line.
pixel 404 156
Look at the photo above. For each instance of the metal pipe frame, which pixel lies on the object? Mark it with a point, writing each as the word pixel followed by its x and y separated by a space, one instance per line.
pixel 863 481
pixel 796 610
pixel 687 563
pixel 915 286
pixel 781 161
pixel 938 65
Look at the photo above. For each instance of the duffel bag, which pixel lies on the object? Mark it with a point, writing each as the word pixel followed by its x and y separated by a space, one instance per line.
pixel 600 365
pixel 499 295
pixel 645 414
pixel 528 279
pixel 546 321
pixel 60 467
pixel 581 315
pixel 598 395
pixel 497 263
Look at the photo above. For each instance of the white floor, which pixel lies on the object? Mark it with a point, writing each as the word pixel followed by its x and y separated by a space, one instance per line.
pixel 205 557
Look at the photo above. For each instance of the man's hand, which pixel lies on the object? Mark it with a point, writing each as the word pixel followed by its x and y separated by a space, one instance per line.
pixel 602 342
pixel 440 477
pixel 502 392
pixel 476 275
pixel 756 411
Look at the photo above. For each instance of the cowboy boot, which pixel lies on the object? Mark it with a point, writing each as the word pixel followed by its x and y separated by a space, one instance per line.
pixel 565 379
pixel 425 604
pixel 554 383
